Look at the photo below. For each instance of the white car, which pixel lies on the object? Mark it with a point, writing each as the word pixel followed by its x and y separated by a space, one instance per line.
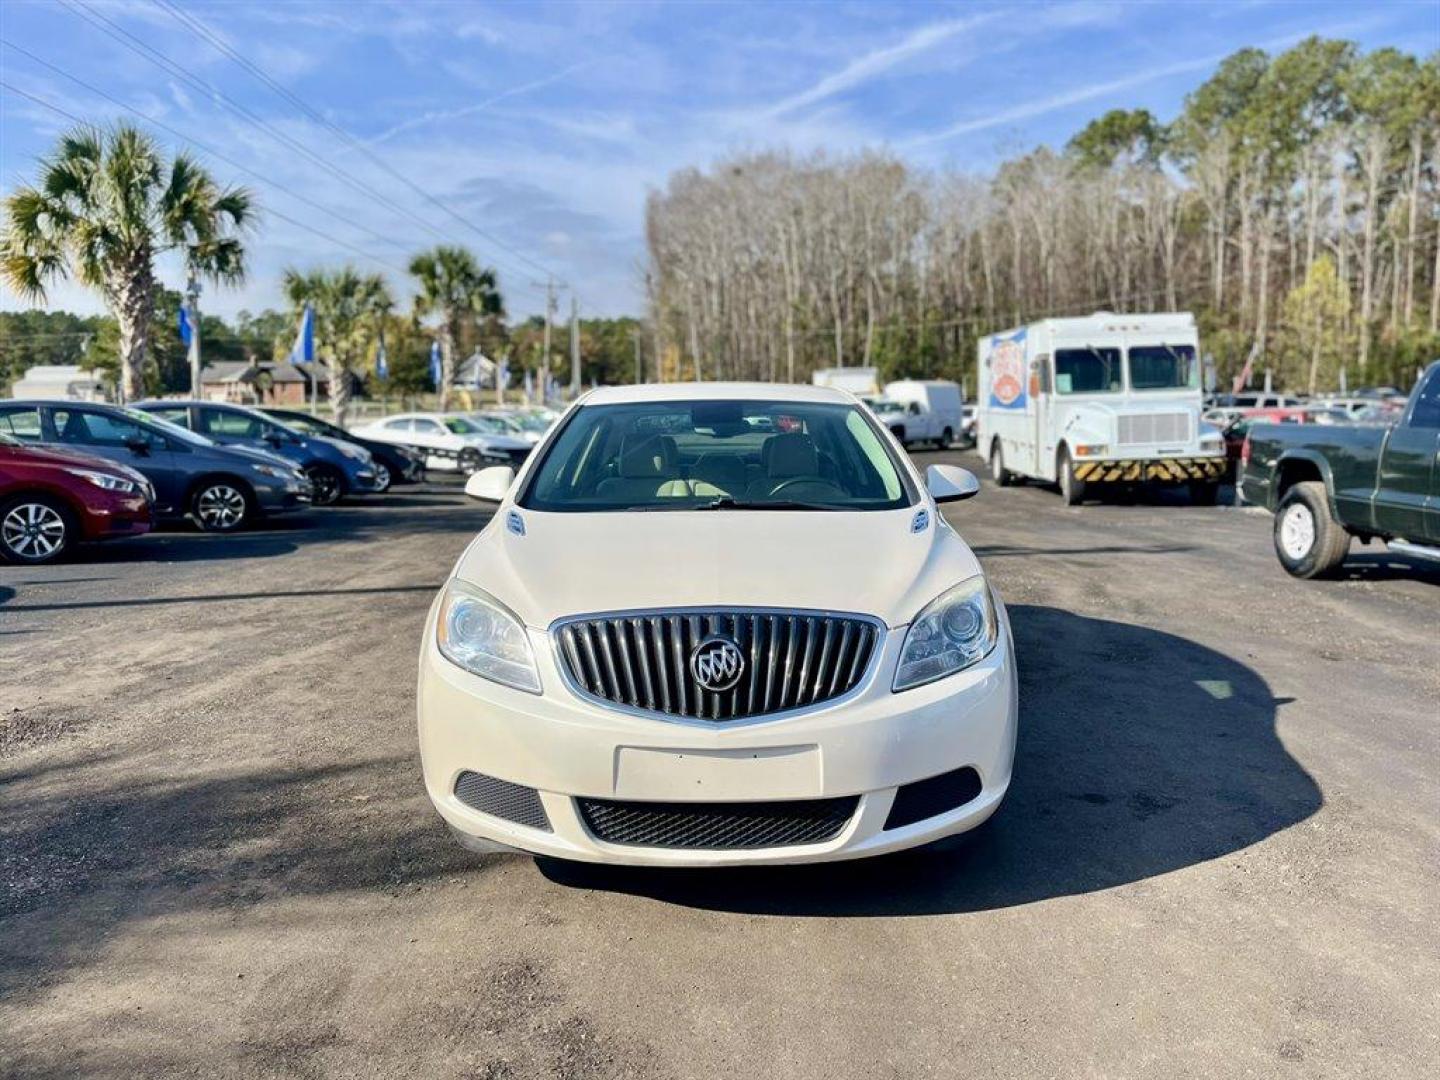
pixel 713 624
pixel 452 441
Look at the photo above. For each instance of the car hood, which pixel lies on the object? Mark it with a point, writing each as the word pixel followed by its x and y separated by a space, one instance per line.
pixel 64 455
pixel 582 563
pixel 497 442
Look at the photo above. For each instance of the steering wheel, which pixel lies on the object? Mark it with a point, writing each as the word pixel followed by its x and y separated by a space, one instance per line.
pixel 814 481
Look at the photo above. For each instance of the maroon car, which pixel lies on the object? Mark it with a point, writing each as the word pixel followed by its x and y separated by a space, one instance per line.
pixel 51 498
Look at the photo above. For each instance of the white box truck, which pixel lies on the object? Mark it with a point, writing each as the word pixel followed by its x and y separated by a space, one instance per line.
pixel 1101 399
pixel 922 410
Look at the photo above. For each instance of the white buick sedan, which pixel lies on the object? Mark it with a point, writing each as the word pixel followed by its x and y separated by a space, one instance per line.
pixel 714 624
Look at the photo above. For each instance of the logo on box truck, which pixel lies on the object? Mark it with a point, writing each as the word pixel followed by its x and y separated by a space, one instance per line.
pixel 1007 371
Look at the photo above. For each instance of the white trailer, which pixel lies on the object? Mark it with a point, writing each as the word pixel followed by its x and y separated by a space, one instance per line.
pixel 1097 400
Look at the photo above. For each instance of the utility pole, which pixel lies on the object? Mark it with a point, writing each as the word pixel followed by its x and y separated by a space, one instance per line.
pixel 639 364
pixel 549 284
pixel 192 293
pixel 574 347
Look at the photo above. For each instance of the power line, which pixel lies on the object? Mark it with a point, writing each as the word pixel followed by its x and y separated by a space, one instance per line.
pixel 269 210
pixel 183 136
pixel 201 30
pixel 118 33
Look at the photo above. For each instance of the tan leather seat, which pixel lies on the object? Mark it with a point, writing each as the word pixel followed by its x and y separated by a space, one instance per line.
pixel 646 469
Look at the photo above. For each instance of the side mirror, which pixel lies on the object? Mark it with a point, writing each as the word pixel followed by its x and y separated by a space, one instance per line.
pixel 138 445
pixel 490 485
pixel 950 483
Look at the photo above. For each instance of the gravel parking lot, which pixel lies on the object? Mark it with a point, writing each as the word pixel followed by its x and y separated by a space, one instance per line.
pixel 1220 856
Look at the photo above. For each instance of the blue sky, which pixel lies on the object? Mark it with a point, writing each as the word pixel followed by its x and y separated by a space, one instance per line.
pixel 544 125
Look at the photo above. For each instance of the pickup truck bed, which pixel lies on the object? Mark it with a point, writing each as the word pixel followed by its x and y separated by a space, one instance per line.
pixel 1327 484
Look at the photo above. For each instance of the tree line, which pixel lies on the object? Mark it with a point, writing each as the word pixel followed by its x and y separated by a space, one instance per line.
pixel 1293 205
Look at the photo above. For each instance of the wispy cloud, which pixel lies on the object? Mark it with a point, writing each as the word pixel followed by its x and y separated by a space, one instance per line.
pixel 439 115
pixel 878 61
pixel 1040 106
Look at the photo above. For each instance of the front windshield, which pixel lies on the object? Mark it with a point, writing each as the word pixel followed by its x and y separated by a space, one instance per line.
pixel 459 426
pixel 532 422
pixel 692 455
pixel 1087 371
pixel 174 431
pixel 1163 367
pixel 490 425
pixel 884 406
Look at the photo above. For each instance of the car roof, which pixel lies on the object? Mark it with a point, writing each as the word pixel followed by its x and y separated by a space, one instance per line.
pixel 717 391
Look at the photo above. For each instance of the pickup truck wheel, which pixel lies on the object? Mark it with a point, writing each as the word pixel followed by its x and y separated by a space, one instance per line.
pixel 1308 541
pixel 1001 475
pixel 1072 489
pixel 946 438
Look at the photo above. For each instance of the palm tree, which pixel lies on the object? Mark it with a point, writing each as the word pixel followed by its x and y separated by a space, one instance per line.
pixel 454 286
pixel 106 204
pixel 350 308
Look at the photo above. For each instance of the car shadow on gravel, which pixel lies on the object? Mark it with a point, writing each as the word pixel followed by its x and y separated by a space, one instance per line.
pixel 94 848
pixel 1140 753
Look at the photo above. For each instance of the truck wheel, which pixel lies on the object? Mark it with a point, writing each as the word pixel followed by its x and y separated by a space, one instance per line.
pixel 1204 492
pixel 1308 541
pixel 1072 489
pixel 946 438
pixel 1001 475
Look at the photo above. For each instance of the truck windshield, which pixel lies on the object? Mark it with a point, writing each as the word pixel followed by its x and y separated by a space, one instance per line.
pixel 718 455
pixel 1087 371
pixel 1163 367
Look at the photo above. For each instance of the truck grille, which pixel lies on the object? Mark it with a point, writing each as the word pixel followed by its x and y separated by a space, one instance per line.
pixel 717 826
pixel 1155 428
pixel 790 659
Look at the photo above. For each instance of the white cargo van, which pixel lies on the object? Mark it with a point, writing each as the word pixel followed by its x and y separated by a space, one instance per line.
pixel 930 410
pixel 1098 400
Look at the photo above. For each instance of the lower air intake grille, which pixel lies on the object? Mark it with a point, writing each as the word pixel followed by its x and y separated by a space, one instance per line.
pixel 933 797
pixel 717 826
pixel 513 802
pixel 1154 428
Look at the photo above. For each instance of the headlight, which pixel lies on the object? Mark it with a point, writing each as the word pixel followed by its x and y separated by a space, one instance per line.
pixel 105 480
pixel 271 470
pixel 956 629
pixel 350 450
pixel 477 634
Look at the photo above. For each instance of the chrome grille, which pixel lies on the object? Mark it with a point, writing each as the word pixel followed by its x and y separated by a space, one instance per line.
pixel 642 660
pixel 1155 428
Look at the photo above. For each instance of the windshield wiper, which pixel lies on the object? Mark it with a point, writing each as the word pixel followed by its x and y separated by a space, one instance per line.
pixel 729 502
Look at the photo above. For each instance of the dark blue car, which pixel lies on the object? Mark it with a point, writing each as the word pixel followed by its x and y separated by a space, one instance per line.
pixel 220 488
pixel 335 468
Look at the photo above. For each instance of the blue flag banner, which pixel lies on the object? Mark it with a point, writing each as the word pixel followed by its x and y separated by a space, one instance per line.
pixel 529 386
pixel 435 363
pixel 382 362
pixel 502 375
pixel 186 331
pixel 303 351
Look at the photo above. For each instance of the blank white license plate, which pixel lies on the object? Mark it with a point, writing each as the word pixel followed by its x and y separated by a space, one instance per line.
pixel 773 772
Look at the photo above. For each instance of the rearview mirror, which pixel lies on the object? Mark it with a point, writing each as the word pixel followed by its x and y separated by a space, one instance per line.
pixel 490 485
pixel 950 483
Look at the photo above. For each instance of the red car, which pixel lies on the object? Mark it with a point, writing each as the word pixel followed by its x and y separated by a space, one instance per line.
pixel 51 498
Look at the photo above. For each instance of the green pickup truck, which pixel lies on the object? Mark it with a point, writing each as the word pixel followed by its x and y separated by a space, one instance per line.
pixel 1328 484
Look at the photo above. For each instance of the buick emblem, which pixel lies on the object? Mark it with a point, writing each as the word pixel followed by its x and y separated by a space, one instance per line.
pixel 717 663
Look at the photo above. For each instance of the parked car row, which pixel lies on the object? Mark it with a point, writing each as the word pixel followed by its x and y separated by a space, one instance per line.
pixel 78 471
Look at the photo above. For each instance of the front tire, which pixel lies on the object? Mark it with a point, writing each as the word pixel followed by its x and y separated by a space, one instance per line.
pixel 1001 475
pixel 327 484
pixel 1072 488
pixel 470 460
pixel 35 529
pixel 947 437
pixel 220 506
pixel 383 479
pixel 1309 542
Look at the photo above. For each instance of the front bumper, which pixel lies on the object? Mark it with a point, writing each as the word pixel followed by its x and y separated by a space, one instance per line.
pixel 112 515
pixel 281 496
pixel 566 749
pixel 1165 470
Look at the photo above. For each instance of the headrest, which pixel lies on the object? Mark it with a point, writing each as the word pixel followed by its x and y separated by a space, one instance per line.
pixel 642 457
pixel 791 455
